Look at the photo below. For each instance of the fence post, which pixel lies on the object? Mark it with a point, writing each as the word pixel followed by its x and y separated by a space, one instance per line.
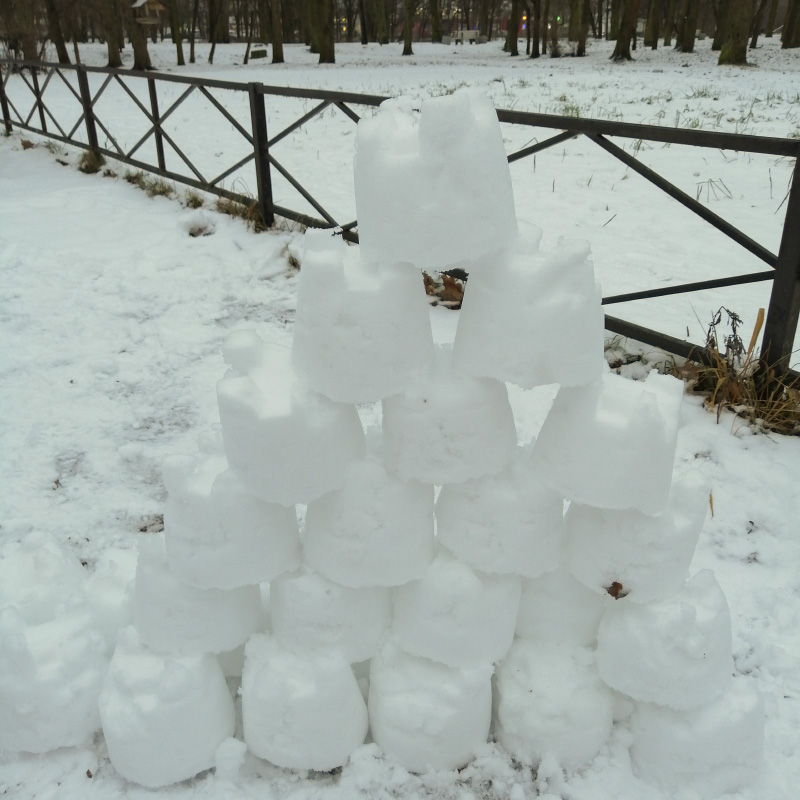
pixel 88 109
pixel 784 302
pixel 38 95
pixel 258 117
pixel 151 85
pixel 4 103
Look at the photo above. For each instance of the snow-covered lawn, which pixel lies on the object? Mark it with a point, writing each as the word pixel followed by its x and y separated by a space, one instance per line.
pixel 112 319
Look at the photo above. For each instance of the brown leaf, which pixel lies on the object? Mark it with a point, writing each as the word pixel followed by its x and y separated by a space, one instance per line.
pixel 617 591
pixel 452 289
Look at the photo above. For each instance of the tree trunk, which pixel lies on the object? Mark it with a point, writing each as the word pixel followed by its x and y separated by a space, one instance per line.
pixel 483 17
pixel 622 49
pixel 791 26
pixel 757 21
pixel 723 7
pixel 737 26
pixel 574 27
pixel 324 13
pixel 651 31
pixel 195 11
pixel 362 15
pixel 109 11
pixel 214 13
pixel 381 22
pixel 687 26
pixel 599 31
pixel 408 26
pixel 613 31
pixel 55 31
pixel 583 31
pixel 669 22
pixel 138 37
pixel 773 12
pixel 175 29
pixel 545 17
pixel 535 27
pixel 276 27
pixel 512 33
pixel 436 20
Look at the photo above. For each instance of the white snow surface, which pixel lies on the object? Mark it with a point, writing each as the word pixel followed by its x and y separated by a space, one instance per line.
pixel 113 320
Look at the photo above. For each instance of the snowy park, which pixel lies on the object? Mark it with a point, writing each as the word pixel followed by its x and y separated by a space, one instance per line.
pixel 276 525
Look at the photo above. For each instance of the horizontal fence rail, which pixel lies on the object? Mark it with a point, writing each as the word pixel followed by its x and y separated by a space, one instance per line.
pixel 784 267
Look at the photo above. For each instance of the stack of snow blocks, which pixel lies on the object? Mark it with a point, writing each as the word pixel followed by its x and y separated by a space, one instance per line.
pixel 431 622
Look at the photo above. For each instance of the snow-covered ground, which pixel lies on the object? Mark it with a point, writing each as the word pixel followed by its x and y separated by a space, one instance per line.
pixel 112 319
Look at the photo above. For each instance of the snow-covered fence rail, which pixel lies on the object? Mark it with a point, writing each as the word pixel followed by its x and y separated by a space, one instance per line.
pixel 162 127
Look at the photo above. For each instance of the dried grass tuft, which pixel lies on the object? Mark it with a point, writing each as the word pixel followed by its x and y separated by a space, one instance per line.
pixel 732 376
pixel 91 162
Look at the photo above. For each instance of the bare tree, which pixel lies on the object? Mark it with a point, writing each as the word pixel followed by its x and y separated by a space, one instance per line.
pixel 55 30
pixel 791 26
pixel 408 26
pixel 622 49
pixel 513 28
pixel 583 30
pixel 687 26
pixel 737 26
pixel 322 19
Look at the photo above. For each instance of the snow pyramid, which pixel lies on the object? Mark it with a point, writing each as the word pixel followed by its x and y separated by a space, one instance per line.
pixel 389 616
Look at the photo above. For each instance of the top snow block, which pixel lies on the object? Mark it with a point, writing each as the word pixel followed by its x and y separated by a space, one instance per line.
pixel 441 175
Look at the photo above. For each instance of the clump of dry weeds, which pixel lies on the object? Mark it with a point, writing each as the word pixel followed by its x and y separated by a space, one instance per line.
pixel 732 376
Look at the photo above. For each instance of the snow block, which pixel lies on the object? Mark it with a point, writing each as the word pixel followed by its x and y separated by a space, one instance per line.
pixel 50 679
pixel 551 333
pixel 612 444
pixel 444 174
pixel 426 715
pixel 506 523
pixel 447 428
pixel 648 557
pixel 375 531
pixel 551 700
pixel 37 575
pixel 455 614
pixel 674 652
pixel 220 536
pixel 312 614
pixel 558 609
pixel 715 749
pixel 286 443
pixel 300 711
pixel 108 593
pixel 174 617
pixel 361 329
pixel 163 716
